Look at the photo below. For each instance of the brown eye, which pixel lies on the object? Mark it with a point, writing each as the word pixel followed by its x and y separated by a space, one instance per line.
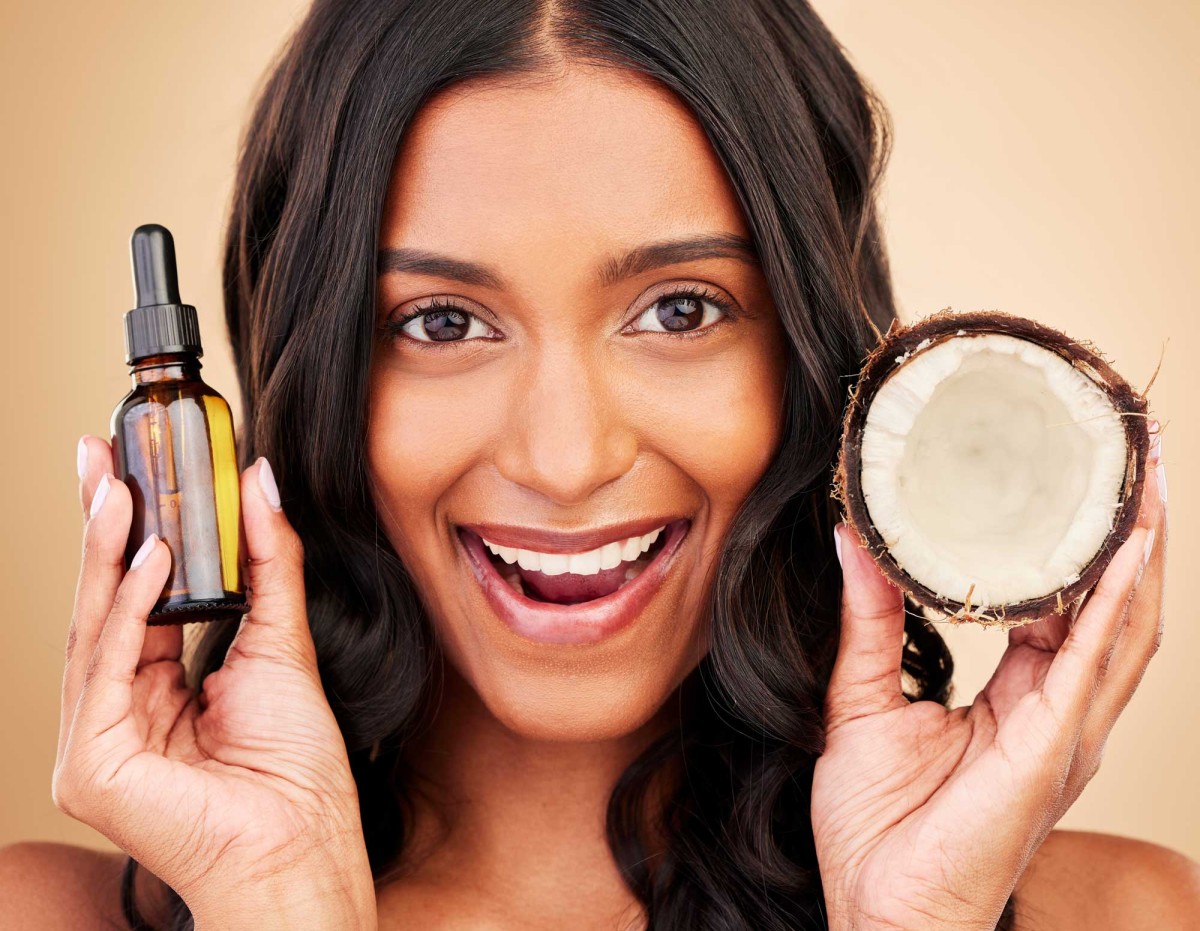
pixel 683 312
pixel 444 325
pixel 440 323
pixel 679 313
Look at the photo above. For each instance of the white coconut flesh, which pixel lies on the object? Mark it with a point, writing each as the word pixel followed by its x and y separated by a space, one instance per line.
pixel 992 467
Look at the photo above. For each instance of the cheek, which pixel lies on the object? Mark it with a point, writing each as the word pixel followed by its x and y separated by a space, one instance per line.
pixel 416 445
pixel 717 419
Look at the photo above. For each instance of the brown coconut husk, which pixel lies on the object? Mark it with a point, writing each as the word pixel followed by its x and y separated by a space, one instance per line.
pixel 902 343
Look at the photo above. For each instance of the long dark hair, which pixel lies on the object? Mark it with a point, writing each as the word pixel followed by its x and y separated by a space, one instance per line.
pixel 804 142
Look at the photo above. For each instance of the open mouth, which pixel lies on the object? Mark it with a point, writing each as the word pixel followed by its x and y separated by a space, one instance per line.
pixel 573 597
pixel 581 577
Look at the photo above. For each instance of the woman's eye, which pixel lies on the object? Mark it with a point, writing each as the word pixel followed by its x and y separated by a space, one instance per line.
pixel 688 312
pixel 683 313
pixel 442 324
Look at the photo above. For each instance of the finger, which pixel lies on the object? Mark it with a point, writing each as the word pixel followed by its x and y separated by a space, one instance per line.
pixel 1137 640
pixel 1047 634
pixel 1022 667
pixel 866 673
pixel 1050 632
pixel 160 693
pixel 163 642
pixel 1073 677
pixel 107 694
pixel 278 620
pixel 1141 634
pixel 102 567
pixel 93 458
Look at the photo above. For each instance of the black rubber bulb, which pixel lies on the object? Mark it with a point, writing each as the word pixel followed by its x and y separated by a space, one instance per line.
pixel 155 278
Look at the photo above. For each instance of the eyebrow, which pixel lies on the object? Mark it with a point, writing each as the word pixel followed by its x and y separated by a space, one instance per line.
pixel 641 259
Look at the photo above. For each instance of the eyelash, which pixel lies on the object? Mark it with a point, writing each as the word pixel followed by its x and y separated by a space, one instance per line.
pixel 394 329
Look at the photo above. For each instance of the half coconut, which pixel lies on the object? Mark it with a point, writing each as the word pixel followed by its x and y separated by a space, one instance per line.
pixel 991 465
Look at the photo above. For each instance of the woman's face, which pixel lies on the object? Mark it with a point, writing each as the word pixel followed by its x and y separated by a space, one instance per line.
pixel 595 356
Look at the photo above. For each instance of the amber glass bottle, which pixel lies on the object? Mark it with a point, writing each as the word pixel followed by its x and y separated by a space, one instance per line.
pixel 173 446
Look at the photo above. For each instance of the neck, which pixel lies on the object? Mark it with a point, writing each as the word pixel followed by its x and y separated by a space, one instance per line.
pixel 521 821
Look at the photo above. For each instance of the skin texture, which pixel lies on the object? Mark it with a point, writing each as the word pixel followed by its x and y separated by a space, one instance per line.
pixel 570 423
pixel 227 794
pixel 919 810
pixel 1077 881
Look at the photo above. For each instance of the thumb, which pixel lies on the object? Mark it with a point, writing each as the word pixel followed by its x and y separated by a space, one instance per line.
pixel 274 564
pixel 866 673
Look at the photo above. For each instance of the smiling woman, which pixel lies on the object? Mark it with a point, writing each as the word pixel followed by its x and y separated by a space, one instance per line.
pixel 543 315
pixel 577 374
pixel 565 327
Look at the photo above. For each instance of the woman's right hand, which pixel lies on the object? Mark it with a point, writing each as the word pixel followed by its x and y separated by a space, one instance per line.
pixel 240 798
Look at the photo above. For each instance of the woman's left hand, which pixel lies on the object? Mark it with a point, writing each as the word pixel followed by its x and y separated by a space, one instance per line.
pixel 926 817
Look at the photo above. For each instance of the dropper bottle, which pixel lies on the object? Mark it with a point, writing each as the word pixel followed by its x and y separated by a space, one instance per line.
pixel 173 446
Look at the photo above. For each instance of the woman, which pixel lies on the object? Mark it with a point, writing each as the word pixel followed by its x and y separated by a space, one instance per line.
pixel 521 287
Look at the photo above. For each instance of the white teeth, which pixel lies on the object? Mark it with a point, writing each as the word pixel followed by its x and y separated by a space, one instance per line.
pixel 583 563
pixel 553 563
pixel 608 556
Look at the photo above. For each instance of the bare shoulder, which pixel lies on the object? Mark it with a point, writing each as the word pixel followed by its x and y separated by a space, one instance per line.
pixel 1086 879
pixel 46 885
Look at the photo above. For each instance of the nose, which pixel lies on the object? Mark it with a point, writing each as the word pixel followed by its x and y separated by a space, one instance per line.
pixel 567 432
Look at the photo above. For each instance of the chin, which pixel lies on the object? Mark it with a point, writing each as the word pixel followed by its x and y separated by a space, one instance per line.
pixel 567 708
pixel 597 669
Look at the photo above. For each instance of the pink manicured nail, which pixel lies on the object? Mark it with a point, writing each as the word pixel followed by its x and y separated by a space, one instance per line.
pixel 1149 547
pixel 98 497
pixel 266 481
pixel 837 541
pixel 145 550
pixel 81 456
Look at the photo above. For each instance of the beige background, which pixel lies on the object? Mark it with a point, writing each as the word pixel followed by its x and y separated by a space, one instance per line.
pixel 1043 166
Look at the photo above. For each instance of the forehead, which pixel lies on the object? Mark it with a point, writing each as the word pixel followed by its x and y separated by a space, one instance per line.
pixel 581 161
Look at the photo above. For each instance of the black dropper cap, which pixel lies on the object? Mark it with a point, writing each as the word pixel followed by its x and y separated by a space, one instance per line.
pixel 160 323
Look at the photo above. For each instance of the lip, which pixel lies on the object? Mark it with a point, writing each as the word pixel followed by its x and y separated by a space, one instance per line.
pixel 583 623
pixel 562 541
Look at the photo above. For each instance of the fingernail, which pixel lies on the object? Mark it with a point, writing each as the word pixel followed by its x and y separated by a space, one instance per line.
pixel 837 541
pixel 1149 547
pixel 266 481
pixel 81 456
pixel 98 496
pixel 146 548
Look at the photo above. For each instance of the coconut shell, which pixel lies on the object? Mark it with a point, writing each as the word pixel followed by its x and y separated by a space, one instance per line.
pixel 900 344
